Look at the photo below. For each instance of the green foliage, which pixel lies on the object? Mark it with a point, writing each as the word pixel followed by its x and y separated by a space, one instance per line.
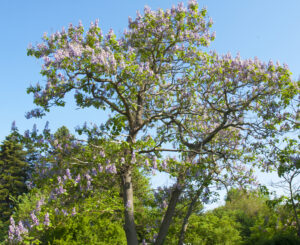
pixel 98 220
pixel 261 220
pixel 279 239
pixel 213 228
pixel 13 175
pixel 99 213
pixel 247 206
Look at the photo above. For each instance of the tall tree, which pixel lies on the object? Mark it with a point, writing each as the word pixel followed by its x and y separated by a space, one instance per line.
pixel 133 76
pixel 13 175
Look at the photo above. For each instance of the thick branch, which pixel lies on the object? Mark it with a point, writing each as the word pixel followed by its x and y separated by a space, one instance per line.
pixel 188 214
pixel 163 231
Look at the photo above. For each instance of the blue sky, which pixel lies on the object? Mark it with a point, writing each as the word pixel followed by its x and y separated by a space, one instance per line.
pixel 268 29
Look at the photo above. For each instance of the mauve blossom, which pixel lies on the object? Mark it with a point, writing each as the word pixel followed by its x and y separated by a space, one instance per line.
pixel 11 232
pixel 88 185
pixel 34 129
pixel 88 177
pixel 94 172
pixel 73 211
pixel 111 168
pixel 75 50
pixel 133 158
pixel 26 134
pixel 65 213
pixel 122 161
pixel 12 221
pixel 18 234
pixel 59 180
pixel 100 168
pixel 192 3
pixel 77 179
pixel 34 219
pixel 68 173
pixel 13 126
pixel 154 161
pixel 21 227
pixel 47 220
pixel 102 154
pixel 60 190
pixel 164 164
pixel 39 204
pixel 65 178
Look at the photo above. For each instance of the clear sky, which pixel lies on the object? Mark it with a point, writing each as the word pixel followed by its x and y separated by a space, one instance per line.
pixel 268 29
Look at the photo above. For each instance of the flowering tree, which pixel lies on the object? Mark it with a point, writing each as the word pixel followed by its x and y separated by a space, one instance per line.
pixel 133 76
pixel 154 75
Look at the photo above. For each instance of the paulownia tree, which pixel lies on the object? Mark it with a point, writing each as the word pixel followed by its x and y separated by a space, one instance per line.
pixel 135 76
pixel 156 74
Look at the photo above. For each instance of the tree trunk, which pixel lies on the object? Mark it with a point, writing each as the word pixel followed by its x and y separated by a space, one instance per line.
pixel 187 216
pixel 129 225
pixel 163 231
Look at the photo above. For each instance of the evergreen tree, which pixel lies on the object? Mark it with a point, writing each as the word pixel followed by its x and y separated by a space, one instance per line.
pixel 13 176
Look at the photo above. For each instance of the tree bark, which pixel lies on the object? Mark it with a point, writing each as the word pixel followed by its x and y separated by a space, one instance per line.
pixel 129 225
pixel 163 231
pixel 187 216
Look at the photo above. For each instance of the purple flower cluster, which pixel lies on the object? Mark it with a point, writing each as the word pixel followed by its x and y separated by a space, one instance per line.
pixel 34 219
pixel 122 160
pixel 100 168
pixel 15 232
pixel 154 162
pixel 164 164
pixel 46 219
pixel 64 212
pixel 39 204
pixel 111 168
pixel 104 53
pixel 133 158
pixel 102 153
pixel 38 112
pixel 94 172
pixel 68 173
pixel 77 179
pixel 60 190
pixel 13 126
pixel 168 28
